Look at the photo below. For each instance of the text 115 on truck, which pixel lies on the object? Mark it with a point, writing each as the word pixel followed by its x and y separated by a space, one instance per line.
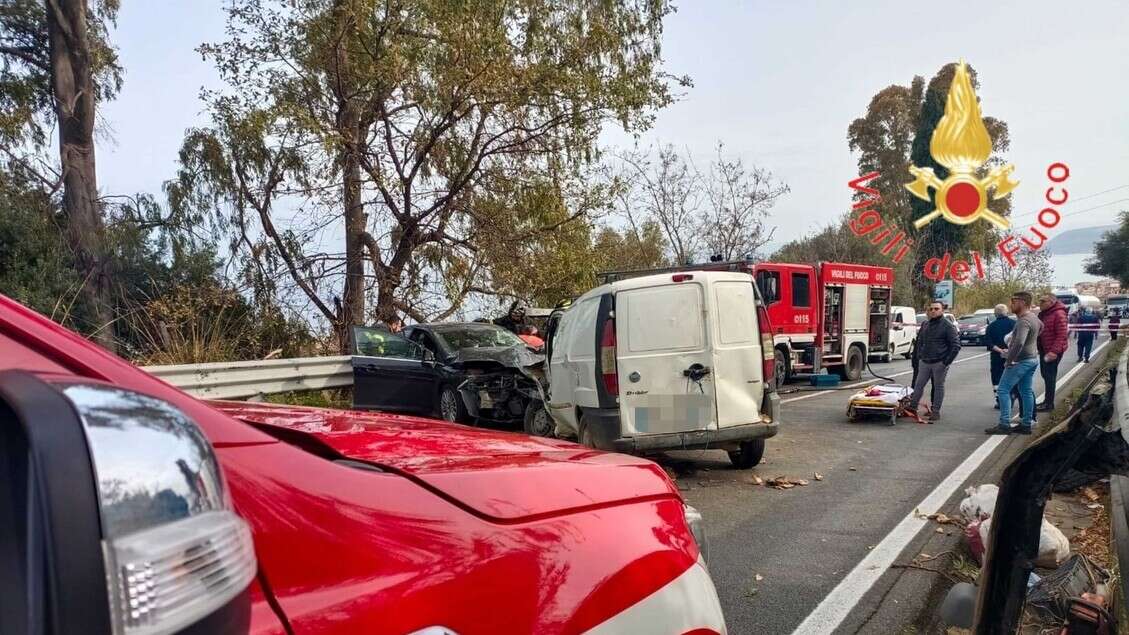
pixel 825 315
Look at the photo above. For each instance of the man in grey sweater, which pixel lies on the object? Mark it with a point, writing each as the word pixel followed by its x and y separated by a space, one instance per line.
pixel 1019 367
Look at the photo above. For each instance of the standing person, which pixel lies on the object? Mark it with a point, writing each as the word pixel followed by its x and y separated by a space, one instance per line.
pixel 514 319
pixel 395 325
pixel 938 344
pixel 1019 367
pixel 1087 327
pixel 997 347
pixel 1052 345
pixel 1114 324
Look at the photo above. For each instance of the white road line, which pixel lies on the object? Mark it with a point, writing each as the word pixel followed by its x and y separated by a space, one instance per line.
pixel 846 595
pixel 818 393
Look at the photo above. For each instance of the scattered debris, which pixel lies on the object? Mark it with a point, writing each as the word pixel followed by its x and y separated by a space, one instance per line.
pixel 758 577
pixel 852 469
pixel 756 480
pixel 1089 494
pixel 783 482
pixel 818 476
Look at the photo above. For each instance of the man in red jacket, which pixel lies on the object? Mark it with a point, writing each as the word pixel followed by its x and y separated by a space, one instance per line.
pixel 1052 344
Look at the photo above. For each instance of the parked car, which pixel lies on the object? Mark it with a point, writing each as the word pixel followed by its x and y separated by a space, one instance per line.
pixel 668 361
pixel 138 508
pixel 903 332
pixel 460 372
pixel 973 328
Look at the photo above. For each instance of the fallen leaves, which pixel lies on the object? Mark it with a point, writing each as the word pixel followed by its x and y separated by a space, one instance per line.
pixel 783 482
pixel 1089 494
pixel 780 482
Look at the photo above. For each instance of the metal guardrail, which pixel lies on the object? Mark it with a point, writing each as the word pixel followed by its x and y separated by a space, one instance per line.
pixel 1119 485
pixel 240 380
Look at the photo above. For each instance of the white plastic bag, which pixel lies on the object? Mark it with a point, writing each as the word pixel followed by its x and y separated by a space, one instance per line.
pixel 980 502
pixel 1054 548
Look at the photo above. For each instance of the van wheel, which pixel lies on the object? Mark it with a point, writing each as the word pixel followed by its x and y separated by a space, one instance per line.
pixel 749 455
pixel 852 369
pixel 909 352
pixel 451 406
pixel 537 419
pixel 780 369
pixel 584 435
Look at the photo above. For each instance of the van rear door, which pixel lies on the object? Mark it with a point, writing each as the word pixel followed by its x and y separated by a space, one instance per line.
pixel 663 354
pixel 738 365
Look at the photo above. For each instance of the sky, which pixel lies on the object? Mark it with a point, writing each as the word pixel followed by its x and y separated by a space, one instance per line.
pixel 777 82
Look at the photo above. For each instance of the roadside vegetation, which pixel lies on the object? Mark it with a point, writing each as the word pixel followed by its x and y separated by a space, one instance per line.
pixel 350 172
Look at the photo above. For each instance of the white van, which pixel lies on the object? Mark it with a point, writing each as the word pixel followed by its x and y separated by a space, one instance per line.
pixel 670 361
pixel 903 332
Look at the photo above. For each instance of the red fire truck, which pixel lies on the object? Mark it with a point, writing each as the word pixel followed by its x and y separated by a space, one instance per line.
pixel 823 315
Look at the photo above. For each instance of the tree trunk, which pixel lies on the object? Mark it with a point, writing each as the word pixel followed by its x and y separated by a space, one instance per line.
pixel 352 311
pixel 73 85
pixel 353 302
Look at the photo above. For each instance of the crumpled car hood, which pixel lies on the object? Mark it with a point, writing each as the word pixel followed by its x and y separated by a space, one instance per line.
pixel 499 475
pixel 510 356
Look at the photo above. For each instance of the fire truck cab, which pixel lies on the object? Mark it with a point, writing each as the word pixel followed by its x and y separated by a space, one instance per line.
pixel 823 315
pixel 826 315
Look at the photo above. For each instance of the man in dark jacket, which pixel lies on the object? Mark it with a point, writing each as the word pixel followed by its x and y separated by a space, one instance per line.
pixel 1000 327
pixel 1087 326
pixel 1052 345
pixel 937 345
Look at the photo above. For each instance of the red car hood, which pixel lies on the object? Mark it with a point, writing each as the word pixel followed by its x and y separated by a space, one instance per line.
pixel 500 475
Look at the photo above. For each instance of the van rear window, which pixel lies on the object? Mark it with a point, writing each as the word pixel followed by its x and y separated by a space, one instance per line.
pixel 736 307
pixel 661 318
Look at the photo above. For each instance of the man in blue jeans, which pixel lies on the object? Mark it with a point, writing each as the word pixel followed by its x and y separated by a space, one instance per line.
pixel 1019 367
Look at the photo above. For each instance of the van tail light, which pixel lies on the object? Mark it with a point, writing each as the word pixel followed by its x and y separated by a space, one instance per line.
pixel 681 277
pixel 768 350
pixel 607 358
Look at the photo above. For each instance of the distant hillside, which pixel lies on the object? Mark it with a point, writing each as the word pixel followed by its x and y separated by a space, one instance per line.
pixel 1077 241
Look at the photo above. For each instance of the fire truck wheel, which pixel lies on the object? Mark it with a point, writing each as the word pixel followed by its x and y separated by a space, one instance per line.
pixel 749 455
pixel 852 370
pixel 780 370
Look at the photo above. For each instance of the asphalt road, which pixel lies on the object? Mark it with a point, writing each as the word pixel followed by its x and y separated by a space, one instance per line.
pixel 774 554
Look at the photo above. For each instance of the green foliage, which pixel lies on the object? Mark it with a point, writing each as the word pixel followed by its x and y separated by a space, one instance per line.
pixel 209 322
pixel 455 121
pixel 26 101
pixel 895 133
pixel 937 237
pixel 35 264
pixel 1111 253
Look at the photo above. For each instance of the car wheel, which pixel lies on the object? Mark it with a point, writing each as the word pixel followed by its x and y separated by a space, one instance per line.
pixel 852 369
pixel 451 407
pixel 748 455
pixel 780 370
pixel 538 422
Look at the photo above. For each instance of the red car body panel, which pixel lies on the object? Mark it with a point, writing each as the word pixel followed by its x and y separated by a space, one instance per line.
pixel 486 471
pixel 476 531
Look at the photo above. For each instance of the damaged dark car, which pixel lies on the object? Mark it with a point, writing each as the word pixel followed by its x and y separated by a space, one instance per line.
pixel 462 372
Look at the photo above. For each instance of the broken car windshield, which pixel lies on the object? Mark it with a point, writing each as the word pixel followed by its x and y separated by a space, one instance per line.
pixel 478 337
